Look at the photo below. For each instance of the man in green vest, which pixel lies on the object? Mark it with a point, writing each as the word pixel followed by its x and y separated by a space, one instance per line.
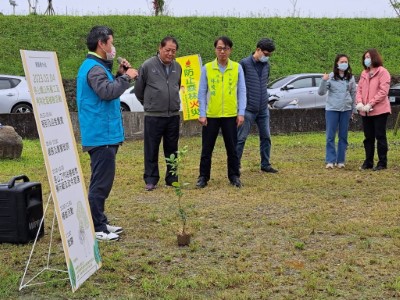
pixel 222 101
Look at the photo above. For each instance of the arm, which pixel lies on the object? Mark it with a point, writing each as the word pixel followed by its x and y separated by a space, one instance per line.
pixel 241 97
pixel 383 90
pixel 241 93
pixel 202 94
pixel 140 85
pixel 104 87
pixel 324 86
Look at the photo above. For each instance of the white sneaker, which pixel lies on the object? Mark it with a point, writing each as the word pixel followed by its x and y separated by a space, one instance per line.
pixel 329 166
pixel 106 236
pixel 340 165
pixel 115 229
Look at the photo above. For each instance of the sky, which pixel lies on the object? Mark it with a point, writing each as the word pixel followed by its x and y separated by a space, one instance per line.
pixel 225 8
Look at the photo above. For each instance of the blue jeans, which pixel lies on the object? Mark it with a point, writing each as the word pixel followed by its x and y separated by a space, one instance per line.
pixel 262 120
pixel 335 120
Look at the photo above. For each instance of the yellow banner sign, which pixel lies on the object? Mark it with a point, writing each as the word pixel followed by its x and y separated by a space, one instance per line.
pixel 191 69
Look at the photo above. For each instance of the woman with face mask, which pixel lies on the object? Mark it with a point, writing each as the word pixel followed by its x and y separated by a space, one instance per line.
pixel 341 88
pixel 372 102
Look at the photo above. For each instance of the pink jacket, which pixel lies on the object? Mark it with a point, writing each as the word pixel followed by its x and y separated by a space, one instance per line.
pixel 374 90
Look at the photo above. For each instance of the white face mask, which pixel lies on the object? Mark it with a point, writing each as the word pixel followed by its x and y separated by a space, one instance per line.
pixel 264 59
pixel 343 66
pixel 111 55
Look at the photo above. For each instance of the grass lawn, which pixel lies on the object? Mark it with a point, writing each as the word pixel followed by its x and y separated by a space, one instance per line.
pixel 304 233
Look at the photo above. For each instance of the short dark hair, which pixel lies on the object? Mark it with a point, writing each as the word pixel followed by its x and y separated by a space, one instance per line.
pixel 227 41
pixel 168 39
pixel 376 58
pixel 98 33
pixel 266 44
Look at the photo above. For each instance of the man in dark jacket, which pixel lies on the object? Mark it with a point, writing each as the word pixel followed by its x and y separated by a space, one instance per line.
pixel 256 72
pixel 100 120
pixel 157 88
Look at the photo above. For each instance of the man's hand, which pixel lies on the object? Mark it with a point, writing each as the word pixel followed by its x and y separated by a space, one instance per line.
pixel 203 121
pixel 239 121
pixel 132 73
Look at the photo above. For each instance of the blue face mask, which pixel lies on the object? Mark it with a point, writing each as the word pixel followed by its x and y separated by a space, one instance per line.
pixel 343 66
pixel 264 59
pixel 367 62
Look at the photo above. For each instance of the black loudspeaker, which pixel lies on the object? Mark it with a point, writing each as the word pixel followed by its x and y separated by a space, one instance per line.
pixel 21 210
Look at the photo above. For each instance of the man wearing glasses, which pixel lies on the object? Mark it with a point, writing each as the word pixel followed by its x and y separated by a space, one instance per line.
pixel 222 101
pixel 256 72
pixel 157 88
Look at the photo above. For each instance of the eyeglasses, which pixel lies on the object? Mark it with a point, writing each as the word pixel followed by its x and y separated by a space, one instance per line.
pixel 219 49
pixel 266 53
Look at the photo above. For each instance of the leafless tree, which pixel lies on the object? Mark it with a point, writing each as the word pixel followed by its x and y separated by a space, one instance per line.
pixel 158 7
pixel 396 6
pixel 294 4
pixel 32 6
pixel 14 4
pixel 50 10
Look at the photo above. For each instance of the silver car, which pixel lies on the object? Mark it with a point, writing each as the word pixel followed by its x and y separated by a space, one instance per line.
pixel 303 87
pixel 14 95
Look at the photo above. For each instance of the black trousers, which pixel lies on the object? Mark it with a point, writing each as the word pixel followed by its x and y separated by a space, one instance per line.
pixel 209 136
pixel 102 165
pixel 375 128
pixel 155 129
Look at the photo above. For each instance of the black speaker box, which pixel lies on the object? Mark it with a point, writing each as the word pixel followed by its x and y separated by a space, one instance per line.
pixel 21 210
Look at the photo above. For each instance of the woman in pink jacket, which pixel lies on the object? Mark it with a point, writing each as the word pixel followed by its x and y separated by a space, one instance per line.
pixel 373 104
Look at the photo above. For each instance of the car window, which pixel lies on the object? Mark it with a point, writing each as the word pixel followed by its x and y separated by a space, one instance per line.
pixel 302 83
pixel 280 82
pixel 317 81
pixel 14 82
pixel 5 84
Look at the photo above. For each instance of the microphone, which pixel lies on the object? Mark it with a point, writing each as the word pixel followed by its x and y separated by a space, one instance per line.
pixel 120 60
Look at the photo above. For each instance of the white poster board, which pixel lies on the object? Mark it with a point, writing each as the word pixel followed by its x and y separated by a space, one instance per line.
pixel 62 164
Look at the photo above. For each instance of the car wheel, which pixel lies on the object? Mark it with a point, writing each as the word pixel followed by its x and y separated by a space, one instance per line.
pixel 124 107
pixel 21 109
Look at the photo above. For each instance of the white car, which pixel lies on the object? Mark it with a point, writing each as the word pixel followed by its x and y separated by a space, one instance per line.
pixel 14 95
pixel 129 102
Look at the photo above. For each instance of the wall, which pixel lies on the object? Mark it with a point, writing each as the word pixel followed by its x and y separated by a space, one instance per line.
pixel 282 122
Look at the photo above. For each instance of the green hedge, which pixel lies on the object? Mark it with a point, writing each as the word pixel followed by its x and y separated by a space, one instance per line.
pixel 303 44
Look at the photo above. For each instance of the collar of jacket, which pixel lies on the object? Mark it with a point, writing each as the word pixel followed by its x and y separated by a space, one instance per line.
pixel 215 64
pixel 106 63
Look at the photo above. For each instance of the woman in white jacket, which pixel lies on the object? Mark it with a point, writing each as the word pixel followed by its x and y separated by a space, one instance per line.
pixel 341 88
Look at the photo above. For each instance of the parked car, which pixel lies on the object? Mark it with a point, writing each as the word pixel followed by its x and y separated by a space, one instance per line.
pixel 129 102
pixel 14 95
pixel 303 87
pixel 394 94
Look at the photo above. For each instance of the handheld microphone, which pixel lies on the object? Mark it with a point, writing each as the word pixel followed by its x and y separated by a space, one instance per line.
pixel 120 60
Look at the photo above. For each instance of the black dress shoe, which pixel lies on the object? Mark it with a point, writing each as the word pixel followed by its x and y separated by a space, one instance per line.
pixel 269 169
pixel 235 181
pixel 366 166
pixel 201 182
pixel 379 168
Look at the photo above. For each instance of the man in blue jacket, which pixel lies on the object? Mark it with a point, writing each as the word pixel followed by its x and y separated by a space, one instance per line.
pixel 100 121
pixel 256 72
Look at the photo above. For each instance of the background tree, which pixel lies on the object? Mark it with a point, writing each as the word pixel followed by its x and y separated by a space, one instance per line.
pixel 32 6
pixel 13 4
pixel 158 7
pixel 294 11
pixel 396 6
pixel 50 10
